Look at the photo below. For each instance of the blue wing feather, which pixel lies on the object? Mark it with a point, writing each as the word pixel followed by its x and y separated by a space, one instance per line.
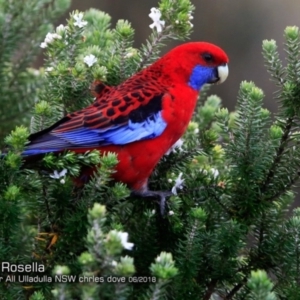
pixel 151 127
pixel 119 135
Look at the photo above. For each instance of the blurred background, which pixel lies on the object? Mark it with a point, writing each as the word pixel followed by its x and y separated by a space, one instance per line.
pixel 237 26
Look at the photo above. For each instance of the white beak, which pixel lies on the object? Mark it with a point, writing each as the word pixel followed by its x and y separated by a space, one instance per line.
pixel 223 73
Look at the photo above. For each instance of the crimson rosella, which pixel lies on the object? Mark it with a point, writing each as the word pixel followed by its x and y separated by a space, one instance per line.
pixel 141 118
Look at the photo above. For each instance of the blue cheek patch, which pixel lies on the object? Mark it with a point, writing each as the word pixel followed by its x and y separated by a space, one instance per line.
pixel 200 76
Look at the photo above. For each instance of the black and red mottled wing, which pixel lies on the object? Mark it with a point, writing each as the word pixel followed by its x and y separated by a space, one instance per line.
pixel 119 115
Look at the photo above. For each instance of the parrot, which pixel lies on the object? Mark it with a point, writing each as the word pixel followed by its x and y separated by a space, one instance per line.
pixel 139 119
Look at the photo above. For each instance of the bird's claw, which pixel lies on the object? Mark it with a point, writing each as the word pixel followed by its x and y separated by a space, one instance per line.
pixel 162 195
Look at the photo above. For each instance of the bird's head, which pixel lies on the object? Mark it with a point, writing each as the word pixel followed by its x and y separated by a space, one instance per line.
pixel 197 63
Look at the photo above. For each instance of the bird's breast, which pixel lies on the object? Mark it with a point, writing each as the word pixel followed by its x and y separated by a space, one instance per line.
pixel 138 159
pixel 178 110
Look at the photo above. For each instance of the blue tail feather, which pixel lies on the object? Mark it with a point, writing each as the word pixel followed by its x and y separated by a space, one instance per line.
pixel 37 151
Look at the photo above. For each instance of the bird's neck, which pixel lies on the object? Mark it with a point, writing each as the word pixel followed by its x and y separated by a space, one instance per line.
pixel 171 74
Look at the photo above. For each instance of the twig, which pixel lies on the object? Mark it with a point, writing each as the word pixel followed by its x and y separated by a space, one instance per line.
pixel 157 39
pixel 210 289
pixel 287 187
pixel 235 289
pixel 47 205
pixel 278 156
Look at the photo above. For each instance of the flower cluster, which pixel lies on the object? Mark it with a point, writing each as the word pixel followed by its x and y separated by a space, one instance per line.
pixel 213 172
pixel 61 28
pixel 190 17
pixel 50 37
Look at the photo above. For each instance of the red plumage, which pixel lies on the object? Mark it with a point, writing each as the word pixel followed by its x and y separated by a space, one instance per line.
pixel 141 118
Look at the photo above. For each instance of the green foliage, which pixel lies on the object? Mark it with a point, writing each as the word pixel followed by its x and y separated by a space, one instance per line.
pixel 23 25
pixel 260 286
pixel 226 233
pixel 176 16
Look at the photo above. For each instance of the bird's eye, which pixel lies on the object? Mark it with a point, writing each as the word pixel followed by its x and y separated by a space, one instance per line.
pixel 207 57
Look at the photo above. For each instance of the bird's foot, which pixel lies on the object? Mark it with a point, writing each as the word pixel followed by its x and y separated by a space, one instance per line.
pixel 162 195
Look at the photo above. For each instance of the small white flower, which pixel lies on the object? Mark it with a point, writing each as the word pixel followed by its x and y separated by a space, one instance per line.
pixel 90 59
pixel 50 37
pixel 196 130
pixel 49 69
pixel 204 172
pixel 170 180
pixel 61 28
pixel 155 16
pixel 35 72
pixel 124 240
pixel 190 18
pixel 153 211
pixel 178 184
pixel 78 20
pixel 191 25
pixel 129 54
pixel 59 175
pixel 114 263
pixel 215 172
pixel 59 270
pixel 171 213
pixel 177 145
